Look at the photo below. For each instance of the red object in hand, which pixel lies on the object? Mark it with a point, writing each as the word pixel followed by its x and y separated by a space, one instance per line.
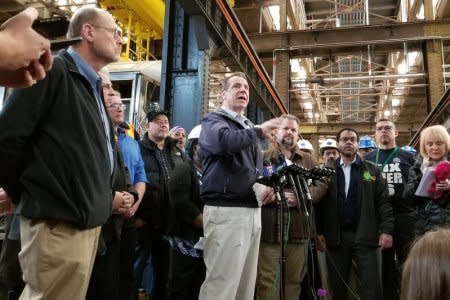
pixel 442 172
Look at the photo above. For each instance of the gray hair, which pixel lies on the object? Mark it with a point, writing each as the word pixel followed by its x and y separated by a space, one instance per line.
pixel 79 18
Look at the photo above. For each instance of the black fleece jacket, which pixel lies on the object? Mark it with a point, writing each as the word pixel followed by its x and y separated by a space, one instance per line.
pixel 53 154
pixel 375 209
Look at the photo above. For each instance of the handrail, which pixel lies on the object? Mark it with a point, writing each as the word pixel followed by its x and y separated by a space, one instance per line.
pixel 440 112
pixel 251 53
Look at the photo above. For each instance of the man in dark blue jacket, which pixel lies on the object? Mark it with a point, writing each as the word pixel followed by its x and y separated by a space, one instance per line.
pixel 354 219
pixel 232 161
pixel 57 161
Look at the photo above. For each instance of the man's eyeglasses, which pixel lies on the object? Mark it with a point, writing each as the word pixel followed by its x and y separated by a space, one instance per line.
pixel 118 106
pixel 387 128
pixel 346 139
pixel 115 31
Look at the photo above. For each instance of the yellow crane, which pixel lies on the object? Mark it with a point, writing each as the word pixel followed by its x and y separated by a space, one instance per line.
pixel 142 22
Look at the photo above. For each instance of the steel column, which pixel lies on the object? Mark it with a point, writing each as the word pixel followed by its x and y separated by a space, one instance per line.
pixel 182 76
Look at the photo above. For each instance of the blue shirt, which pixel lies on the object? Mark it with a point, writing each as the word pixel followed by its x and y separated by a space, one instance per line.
pixel 348 183
pixel 346 168
pixel 96 84
pixel 132 157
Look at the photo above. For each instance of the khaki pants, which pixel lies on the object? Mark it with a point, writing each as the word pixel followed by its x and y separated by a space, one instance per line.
pixel 56 259
pixel 269 266
pixel 232 236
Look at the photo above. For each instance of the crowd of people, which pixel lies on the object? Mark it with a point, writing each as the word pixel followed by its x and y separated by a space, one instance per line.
pixel 97 212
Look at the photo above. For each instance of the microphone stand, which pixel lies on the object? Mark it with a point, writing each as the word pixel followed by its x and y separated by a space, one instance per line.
pixel 294 176
pixel 298 175
pixel 282 207
pixel 303 194
pixel 277 182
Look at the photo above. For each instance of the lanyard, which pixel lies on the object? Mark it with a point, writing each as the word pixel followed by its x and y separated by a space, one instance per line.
pixel 387 159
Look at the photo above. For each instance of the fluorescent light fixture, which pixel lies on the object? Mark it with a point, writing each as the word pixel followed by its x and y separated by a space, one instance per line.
pixel 412 56
pixel 402 68
pixel 395 102
pixel 295 65
pixel 298 69
pixel 307 105
pixel 274 11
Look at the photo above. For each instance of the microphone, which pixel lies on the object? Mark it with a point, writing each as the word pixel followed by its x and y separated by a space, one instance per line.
pixel 319 172
pixel 273 171
pixel 267 168
pixel 280 163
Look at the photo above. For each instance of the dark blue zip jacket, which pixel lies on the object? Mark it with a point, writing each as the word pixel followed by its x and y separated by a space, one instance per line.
pixel 232 159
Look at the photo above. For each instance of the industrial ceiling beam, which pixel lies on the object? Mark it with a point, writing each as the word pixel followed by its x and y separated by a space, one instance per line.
pixel 347 37
pixel 330 129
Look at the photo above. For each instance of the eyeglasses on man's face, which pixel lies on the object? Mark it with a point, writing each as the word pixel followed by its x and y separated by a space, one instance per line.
pixel 386 128
pixel 117 106
pixel 115 31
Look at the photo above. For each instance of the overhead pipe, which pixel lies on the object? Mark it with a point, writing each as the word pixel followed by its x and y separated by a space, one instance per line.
pixel 351 88
pixel 360 78
pixel 368 42
pixel 261 9
pixel 366 10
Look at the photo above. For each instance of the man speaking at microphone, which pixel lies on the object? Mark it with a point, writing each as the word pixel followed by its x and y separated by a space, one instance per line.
pixel 232 161
pixel 284 147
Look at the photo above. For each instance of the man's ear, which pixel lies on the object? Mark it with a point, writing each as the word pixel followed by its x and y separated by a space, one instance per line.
pixel 87 32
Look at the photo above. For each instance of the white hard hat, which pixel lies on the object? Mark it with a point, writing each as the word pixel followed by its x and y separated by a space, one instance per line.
pixel 328 144
pixel 305 145
pixel 195 132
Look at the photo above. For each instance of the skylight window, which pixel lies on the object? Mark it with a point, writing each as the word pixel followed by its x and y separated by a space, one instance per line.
pixel 307 105
pixel 296 68
pixel 421 14
pixel 274 11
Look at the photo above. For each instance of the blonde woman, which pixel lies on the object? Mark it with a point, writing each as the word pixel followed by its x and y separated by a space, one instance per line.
pixel 426 271
pixel 434 148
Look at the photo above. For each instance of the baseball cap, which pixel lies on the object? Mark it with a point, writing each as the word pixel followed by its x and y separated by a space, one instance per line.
pixel 154 111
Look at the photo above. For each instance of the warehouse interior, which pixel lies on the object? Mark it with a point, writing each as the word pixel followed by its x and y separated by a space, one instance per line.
pixel 332 63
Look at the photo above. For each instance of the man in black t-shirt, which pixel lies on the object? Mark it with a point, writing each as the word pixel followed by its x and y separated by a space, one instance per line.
pixel 394 164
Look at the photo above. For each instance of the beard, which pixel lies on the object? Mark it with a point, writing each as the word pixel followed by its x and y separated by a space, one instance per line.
pixel 348 153
pixel 287 142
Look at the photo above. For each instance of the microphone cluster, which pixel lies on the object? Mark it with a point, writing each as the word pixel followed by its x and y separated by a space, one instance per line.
pixel 313 173
pixel 273 174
